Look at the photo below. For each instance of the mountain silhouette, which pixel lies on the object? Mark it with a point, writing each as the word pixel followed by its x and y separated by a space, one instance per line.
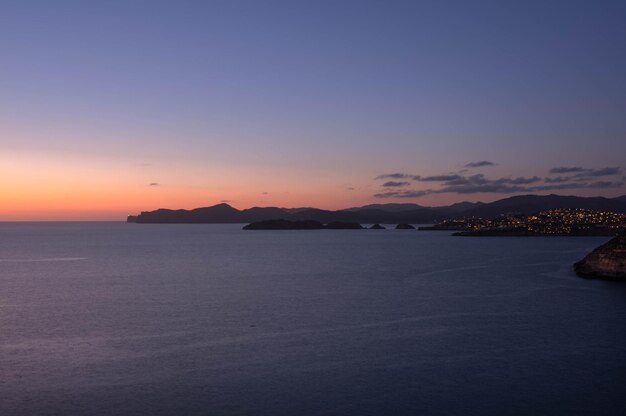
pixel 382 213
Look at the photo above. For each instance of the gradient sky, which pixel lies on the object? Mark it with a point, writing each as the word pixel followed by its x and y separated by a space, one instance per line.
pixel 109 108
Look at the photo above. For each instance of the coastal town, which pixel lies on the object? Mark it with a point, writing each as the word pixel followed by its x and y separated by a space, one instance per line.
pixel 558 222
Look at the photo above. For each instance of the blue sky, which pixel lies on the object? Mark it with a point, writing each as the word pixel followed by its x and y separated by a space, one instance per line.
pixel 285 97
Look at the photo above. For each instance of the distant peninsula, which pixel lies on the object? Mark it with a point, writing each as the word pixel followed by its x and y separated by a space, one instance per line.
pixel 605 262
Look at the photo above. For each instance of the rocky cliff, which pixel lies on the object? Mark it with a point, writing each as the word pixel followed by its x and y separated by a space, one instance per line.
pixel 605 262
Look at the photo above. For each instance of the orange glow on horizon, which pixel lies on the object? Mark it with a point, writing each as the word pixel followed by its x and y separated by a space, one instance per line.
pixel 78 188
pixel 66 187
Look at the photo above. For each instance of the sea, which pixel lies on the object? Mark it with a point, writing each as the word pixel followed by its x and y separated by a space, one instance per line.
pixel 112 318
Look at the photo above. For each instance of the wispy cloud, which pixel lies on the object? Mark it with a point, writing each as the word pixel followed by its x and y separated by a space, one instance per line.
pixel 154 184
pixel 401 194
pixel 585 172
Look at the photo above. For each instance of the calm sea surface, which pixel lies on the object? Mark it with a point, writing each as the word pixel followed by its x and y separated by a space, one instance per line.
pixel 137 319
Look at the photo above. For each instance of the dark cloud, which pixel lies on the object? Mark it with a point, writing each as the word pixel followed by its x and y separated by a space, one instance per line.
pixel 264 193
pixel 477 179
pixel 349 188
pixel 479 183
pixel 434 178
pixel 578 178
pixel 449 178
pixel 437 178
pixel 154 184
pixel 412 194
pixel 394 184
pixel 387 194
pixel 395 176
pixel 578 185
pixel 480 179
pixel 480 164
pixel 491 187
pixel 519 180
pixel 568 169
pixel 558 179
pixel 507 185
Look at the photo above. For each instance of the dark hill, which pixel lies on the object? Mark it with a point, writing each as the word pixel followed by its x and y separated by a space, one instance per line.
pixel 260 214
pixel 221 213
pixel 458 208
pixel 392 207
pixel 324 215
pixel 380 213
pixel 529 204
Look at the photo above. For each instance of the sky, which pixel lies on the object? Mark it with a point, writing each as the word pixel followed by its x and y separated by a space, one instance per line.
pixel 109 108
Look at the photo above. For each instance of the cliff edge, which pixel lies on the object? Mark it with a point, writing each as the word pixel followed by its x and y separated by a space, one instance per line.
pixel 605 262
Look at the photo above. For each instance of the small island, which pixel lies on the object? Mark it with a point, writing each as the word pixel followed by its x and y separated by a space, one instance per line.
pixel 605 262
pixel 301 225
pixel 377 227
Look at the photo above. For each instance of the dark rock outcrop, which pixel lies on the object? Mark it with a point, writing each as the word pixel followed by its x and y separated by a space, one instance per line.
pixel 440 228
pixel 605 262
pixel 404 227
pixel 377 227
pixel 341 225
